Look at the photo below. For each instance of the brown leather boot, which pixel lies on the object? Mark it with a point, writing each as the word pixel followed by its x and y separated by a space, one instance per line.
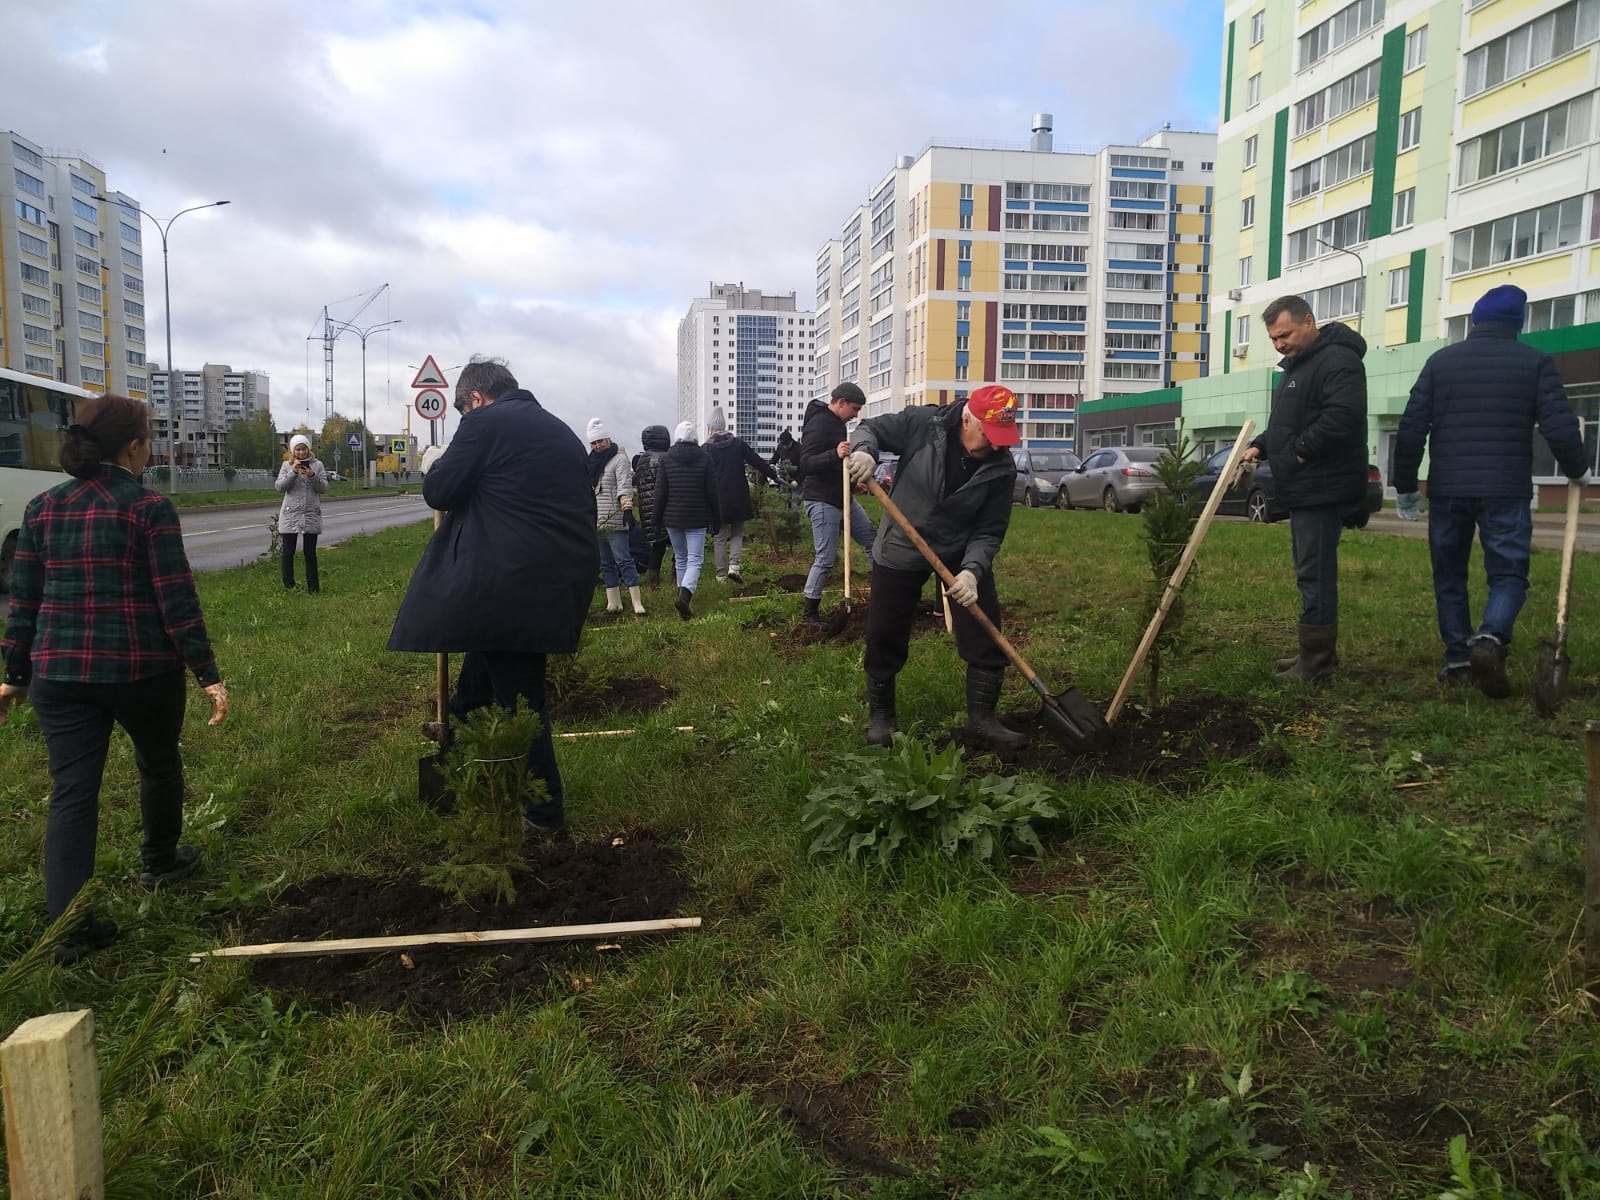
pixel 1317 658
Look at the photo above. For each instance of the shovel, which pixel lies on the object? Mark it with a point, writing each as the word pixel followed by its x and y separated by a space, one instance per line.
pixel 1071 715
pixel 1550 676
pixel 433 787
pixel 841 619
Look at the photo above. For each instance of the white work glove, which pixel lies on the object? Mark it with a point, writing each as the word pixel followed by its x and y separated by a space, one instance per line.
pixel 1408 505
pixel 862 465
pixel 964 591
pixel 1583 480
pixel 430 456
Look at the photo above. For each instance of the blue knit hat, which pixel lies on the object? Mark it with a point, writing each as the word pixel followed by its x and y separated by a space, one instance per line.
pixel 1506 303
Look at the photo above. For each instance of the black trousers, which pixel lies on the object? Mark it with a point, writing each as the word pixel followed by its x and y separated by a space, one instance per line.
pixel 501 677
pixel 76 720
pixel 1314 534
pixel 310 540
pixel 895 596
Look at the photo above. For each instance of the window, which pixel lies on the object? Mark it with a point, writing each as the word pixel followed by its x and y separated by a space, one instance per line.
pixel 133 309
pixel 1347 162
pixel 1136 283
pixel 89 241
pixel 92 375
pixel 130 233
pixel 1241 330
pixel 134 334
pixel 22 154
pixel 87 266
pixel 1176 164
pixel 966 191
pixel 39 306
pixel 1252 90
pixel 961 371
pixel 33 245
pixel 1137 251
pixel 27 183
pixel 1207 166
pixel 1251 145
pixel 29 213
pixel 91 349
pixel 1416 48
pixel 1341 300
pixel 84 210
pixel 33 274
pixel 37 334
pixel 135 358
pixel 1405 209
pixel 83 185
pixel 1532 45
pixel 1521 235
pixel 1063 193
pixel 1131 312
pixel 1051 222
pixel 1137 220
pixel 1246 269
pixel 1399 286
pixel 1411 127
pixel 965 221
pixel 1132 370
pixel 1134 189
pixel 1133 341
pixel 1258 28
pixel 963 310
pixel 89 294
pixel 1343 27
pixel 1526 141
pixel 1247 212
pixel 1347 229
pixel 1342 96
pixel 963 283
pixel 1140 161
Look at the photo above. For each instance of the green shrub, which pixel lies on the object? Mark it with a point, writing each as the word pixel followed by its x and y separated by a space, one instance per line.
pixel 1169 519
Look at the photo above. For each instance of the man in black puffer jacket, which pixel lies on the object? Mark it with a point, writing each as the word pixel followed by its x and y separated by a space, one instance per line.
pixel 823 446
pixel 1474 406
pixel 1316 443
pixel 646 464
pixel 686 506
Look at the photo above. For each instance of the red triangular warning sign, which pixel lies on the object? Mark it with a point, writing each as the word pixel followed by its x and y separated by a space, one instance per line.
pixel 429 375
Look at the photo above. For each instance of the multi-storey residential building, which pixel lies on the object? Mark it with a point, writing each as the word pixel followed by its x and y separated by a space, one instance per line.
pixel 1391 160
pixel 210 400
pixel 71 272
pixel 1060 274
pixel 748 353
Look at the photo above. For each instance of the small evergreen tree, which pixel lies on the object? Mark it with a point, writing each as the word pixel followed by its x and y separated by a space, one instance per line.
pixel 789 513
pixel 1169 518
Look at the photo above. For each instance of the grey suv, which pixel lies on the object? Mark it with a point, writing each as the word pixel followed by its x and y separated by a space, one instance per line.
pixel 1039 474
pixel 1117 479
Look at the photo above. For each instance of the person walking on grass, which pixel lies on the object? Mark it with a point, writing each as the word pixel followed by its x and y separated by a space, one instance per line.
pixel 686 506
pixel 729 456
pixel 646 468
pixel 824 443
pixel 1474 407
pixel 953 482
pixel 1316 444
pixel 104 620
pixel 612 480
pixel 508 576
pixel 302 479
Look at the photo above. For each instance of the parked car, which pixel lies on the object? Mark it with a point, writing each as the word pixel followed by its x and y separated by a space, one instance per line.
pixel 1115 478
pixel 1256 497
pixel 884 473
pixel 1039 475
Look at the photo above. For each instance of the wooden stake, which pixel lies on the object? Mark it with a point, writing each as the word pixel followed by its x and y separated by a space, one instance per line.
pixel 52 1098
pixel 1591 848
pixel 591 733
pixel 484 937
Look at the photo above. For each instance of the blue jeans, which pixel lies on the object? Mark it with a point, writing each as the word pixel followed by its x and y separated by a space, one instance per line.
pixel 1314 532
pixel 827 527
pixel 688 555
pixel 616 556
pixel 1505 530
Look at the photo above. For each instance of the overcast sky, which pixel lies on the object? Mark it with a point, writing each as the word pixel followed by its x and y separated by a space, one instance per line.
pixel 553 183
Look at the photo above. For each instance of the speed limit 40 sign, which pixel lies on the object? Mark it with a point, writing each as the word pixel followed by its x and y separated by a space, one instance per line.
pixel 430 404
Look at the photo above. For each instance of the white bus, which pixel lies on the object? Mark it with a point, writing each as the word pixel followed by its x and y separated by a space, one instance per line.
pixel 34 415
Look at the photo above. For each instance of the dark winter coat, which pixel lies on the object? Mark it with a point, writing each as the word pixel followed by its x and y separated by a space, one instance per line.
pixel 729 457
pixel 1474 406
pixel 512 566
pixel 646 465
pixel 821 477
pixel 964 528
pixel 1319 414
pixel 685 490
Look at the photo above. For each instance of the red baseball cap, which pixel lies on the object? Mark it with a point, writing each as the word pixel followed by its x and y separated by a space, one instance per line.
pixel 995 407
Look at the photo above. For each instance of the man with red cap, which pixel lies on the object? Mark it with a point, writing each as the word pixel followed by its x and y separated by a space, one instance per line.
pixel 954 483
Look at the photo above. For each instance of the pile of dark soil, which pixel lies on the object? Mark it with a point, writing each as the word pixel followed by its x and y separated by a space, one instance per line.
pixel 585 698
pixel 628 877
pixel 1171 745
pixel 783 583
pixel 928 619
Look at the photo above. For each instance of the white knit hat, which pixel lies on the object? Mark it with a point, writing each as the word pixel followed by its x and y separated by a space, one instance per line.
pixel 299 439
pixel 684 432
pixel 598 431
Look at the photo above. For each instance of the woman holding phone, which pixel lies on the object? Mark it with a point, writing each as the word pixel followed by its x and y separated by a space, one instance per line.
pixel 302 479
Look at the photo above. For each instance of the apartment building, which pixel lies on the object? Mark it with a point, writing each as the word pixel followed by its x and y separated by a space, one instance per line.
pixel 1391 160
pixel 1062 273
pixel 210 400
pixel 71 271
pixel 748 352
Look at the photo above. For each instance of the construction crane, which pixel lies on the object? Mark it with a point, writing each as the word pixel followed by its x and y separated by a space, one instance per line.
pixel 327 331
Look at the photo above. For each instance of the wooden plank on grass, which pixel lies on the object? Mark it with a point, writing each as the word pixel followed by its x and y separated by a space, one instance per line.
pixel 483 937
pixel 592 733
pixel 52 1098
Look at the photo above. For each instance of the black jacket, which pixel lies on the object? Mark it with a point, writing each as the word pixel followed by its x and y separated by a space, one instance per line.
pixel 1475 405
pixel 1319 414
pixel 512 565
pixel 685 490
pixel 729 457
pixel 646 464
pixel 966 527
pixel 821 477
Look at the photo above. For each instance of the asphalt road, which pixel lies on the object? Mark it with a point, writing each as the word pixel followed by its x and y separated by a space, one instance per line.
pixel 1547 528
pixel 219 538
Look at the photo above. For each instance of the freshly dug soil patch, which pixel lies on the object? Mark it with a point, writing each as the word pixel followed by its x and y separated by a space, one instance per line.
pixel 586 698
pixel 621 878
pixel 928 619
pixel 1169 746
pixel 783 583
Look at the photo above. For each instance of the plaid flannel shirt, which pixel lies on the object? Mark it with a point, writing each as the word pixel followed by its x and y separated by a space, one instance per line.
pixel 101 590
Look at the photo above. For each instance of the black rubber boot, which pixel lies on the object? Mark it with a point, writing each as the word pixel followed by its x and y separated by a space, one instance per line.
pixel 813 612
pixel 880 711
pixel 1318 655
pixel 682 603
pixel 653 577
pixel 983 694
pixel 1487 663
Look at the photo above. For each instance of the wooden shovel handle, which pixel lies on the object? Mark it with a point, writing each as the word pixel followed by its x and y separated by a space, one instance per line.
pixel 1569 542
pixel 844 464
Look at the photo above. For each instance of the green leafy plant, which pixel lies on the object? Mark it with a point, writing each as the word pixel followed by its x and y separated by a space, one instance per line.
pixel 1169 519
pixel 1567 1156
pixel 1368 1031
pixel 1291 993
pixel 1481 1182
pixel 879 800
pixel 486 769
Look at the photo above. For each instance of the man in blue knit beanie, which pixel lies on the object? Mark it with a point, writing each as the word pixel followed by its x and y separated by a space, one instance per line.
pixel 1474 406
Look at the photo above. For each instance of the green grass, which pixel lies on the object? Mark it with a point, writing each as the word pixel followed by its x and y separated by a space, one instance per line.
pixel 1395 966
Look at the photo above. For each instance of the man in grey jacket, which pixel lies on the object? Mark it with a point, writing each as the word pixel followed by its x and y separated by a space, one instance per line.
pixel 953 483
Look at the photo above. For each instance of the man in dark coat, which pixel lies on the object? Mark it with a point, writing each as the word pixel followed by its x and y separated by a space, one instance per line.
pixel 1316 443
pixel 686 506
pixel 954 484
pixel 1474 406
pixel 509 574
pixel 823 446
pixel 729 456
pixel 646 465
pixel 786 451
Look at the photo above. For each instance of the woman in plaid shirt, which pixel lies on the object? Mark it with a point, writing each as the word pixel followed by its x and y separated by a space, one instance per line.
pixel 104 619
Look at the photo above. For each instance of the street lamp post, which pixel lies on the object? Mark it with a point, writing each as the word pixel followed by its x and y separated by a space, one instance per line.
pixel 364 334
pixel 174 428
pixel 1360 312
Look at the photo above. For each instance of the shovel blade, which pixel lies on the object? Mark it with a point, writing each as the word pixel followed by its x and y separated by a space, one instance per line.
pixel 1073 718
pixel 1550 677
pixel 433 788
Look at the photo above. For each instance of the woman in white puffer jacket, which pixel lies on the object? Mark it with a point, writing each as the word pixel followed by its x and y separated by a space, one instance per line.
pixel 612 480
pixel 302 479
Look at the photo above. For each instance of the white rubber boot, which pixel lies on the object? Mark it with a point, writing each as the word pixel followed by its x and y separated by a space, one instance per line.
pixel 613 599
pixel 638 600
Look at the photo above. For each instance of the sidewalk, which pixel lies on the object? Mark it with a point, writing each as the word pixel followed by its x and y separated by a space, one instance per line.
pixel 1547 528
